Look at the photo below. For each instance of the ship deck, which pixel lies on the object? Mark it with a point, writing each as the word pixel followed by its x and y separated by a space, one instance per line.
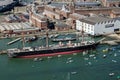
pixel 27 49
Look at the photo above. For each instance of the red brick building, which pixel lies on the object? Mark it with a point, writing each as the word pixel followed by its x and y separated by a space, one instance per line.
pixel 111 12
pixel 69 13
pixel 52 12
pixel 38 20
pixel 40 9
pixel 55 13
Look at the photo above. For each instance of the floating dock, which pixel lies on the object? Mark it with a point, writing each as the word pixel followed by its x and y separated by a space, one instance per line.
pixel 11 42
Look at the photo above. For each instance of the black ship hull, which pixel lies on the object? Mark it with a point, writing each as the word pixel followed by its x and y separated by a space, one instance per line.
pixel 54 51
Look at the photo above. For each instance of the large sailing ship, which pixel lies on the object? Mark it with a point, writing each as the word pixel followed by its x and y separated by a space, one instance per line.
pixel 48 50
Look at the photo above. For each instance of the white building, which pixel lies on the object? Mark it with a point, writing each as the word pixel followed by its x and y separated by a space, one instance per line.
pixel 98 25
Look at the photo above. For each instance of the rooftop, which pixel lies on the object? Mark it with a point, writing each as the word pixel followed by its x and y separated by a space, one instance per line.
pixel 87 3
pixel 78 16
pixel 15 26
pixel 60 4
pixel 57 4
pixel 60 24
pixel 118 18
pixel 95 19
pixel 116 11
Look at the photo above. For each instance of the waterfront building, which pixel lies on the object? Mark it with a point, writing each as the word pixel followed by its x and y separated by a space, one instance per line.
pixel 57 11
pixel 37 19
pixel 67 11
pixel 17 28
pixel 21 17
pixel 61 10
pixel 71 21
pixel 111 12
pixel 97 25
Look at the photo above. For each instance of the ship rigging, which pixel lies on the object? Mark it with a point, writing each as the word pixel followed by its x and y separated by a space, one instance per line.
pixel 50 50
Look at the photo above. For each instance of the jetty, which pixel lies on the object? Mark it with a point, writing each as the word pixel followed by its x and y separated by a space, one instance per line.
pixel 114 39
pixel 111 42
pixel 101 40
pixel 11 42
pixel 3 51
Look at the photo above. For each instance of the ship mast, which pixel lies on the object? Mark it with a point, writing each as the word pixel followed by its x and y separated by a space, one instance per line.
pixel 47 45
pixel 23 40
pixel 82 32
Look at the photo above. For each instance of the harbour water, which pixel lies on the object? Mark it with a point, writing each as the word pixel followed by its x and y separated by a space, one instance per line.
pixel 80 66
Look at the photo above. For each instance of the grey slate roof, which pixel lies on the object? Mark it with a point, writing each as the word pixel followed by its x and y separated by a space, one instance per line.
pixel 87 3
pixel 60 4
pixel 95 19
pixel 118 18
pixel 57 4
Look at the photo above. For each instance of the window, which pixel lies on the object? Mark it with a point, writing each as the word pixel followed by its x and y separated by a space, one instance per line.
pixel 109 25
pixel 116 29
pixel 105 21
pixel 91 28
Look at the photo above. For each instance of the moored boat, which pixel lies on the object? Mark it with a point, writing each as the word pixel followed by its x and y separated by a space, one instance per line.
pixel 49 50
pixel 31 39
pixel 52 50
pixel 64 39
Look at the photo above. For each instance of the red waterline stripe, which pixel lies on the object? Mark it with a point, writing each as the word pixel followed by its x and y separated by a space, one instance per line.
pixel 51 54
